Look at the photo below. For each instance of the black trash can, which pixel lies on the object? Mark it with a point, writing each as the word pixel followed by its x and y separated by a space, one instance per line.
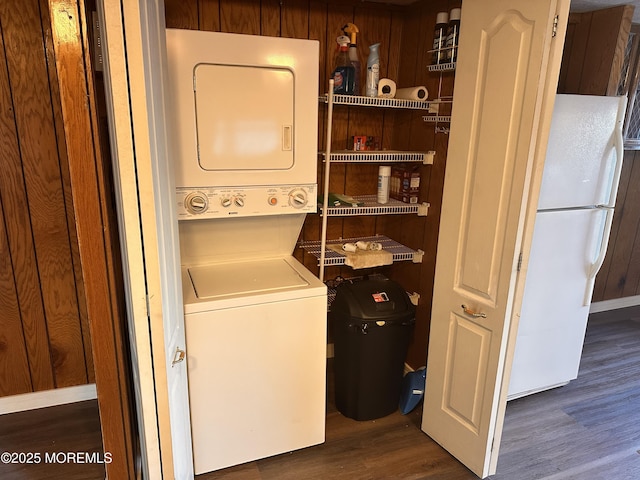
pixel 372 322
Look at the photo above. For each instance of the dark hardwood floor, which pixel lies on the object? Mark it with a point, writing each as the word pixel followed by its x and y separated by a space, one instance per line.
pixel 56 435
pixel 587 430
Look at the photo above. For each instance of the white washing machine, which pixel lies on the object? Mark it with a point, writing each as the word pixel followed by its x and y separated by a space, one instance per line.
pixel 256 341
pixel 245 111
pixel 256 359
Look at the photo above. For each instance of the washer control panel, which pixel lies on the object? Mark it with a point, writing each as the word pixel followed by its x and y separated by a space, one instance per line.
pixel 221 202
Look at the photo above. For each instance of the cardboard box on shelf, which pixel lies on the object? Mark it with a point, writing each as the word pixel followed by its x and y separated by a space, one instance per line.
pixel 364 142
pixel 405 183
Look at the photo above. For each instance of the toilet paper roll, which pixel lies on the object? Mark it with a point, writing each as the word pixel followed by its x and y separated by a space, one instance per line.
pixel 362 245
pixel 386 88
pixel 419 93
pixel 349 247
pixel 375 246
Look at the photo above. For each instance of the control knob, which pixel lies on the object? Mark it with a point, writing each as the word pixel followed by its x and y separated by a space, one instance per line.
pixel 196 203
pixel 298 198
pixel 239 201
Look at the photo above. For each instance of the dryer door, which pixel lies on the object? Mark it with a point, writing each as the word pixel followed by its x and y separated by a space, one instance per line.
pixel 244 118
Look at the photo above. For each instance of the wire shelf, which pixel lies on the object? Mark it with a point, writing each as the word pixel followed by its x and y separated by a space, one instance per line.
pixel 372 207
pixel 356 100
pixel 399 252
pixel 442 67
pixel 378 156
pixel 437 118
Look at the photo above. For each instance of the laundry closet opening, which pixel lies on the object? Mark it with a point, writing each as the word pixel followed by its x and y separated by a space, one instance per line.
pixel 248 84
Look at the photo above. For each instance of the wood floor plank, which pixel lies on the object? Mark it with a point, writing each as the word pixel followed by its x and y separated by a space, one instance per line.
pixel 56 431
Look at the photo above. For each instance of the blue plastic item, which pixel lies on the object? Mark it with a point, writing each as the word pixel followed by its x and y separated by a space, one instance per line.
pixel 412 390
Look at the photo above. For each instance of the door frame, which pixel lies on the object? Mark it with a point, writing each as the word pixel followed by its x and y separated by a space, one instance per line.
pixel 133 39
pixel 91 204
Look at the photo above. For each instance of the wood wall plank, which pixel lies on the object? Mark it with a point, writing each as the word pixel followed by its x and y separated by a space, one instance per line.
pixel 66 190
pixel 624 271
pixel 30 88
pixel 20 240
pixel 601 47
pixel 574 52
pixel 270 18
pixel 617 62
pixel 14 367
pixel 619 276
pixel 594 51
pixel 295 19
pixel 181 14
pixel 240 16
pixel 209 15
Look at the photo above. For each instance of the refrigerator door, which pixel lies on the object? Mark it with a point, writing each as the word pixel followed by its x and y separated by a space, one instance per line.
pixel 584 155
pixel 553 319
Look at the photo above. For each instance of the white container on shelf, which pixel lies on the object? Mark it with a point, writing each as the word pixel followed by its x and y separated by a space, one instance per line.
pixel 384 175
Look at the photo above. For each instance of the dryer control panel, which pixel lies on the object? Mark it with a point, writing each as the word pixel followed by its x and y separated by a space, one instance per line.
pixel 221 202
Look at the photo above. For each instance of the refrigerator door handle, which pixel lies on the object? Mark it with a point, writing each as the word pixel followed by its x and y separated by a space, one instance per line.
pixel 618 145
pixel 594 268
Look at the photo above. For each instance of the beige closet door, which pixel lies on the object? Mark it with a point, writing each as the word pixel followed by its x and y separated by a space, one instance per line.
pixel 506 79
pixel 133 39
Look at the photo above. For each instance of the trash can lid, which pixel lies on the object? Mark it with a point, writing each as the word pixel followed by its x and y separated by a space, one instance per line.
pixel 373 300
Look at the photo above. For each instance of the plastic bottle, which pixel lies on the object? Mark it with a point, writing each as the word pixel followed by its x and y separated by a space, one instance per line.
pixel 373 71
pixel 384 175
pixel 344 73
pixel 453 30
pixel 351 30
pixel 440 38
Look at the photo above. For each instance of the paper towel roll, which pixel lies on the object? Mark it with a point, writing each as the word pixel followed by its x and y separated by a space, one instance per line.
pixel 386 88
pixel 419 93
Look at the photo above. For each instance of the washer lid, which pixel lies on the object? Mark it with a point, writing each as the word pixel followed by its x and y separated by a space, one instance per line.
pixel 224 279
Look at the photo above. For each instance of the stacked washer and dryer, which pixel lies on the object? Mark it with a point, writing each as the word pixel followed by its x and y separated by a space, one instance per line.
pixel 245 140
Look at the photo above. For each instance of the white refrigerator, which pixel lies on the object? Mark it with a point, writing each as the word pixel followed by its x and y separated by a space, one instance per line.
pixel 573 220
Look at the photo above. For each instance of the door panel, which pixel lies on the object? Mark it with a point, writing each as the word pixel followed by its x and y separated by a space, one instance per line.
pixel 497 118
pixel 505 83
pixel 466 365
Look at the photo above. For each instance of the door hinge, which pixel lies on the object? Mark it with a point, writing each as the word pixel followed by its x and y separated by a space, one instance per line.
pixel 554 30
pixel 519 262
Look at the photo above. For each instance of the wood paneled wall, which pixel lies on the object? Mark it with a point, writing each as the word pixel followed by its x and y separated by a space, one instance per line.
pixel 594 51
pixel 44 334
pixel 405 34
pixel 620 273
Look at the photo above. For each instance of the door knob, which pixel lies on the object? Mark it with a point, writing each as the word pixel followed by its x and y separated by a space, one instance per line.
pixel 468 311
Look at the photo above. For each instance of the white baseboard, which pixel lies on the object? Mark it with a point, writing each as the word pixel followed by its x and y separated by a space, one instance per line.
pixel 614 304
pixel 47 398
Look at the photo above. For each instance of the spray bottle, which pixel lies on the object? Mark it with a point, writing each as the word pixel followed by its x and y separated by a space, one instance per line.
pixel 344 74
pixel 351 30
pixel 373 71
